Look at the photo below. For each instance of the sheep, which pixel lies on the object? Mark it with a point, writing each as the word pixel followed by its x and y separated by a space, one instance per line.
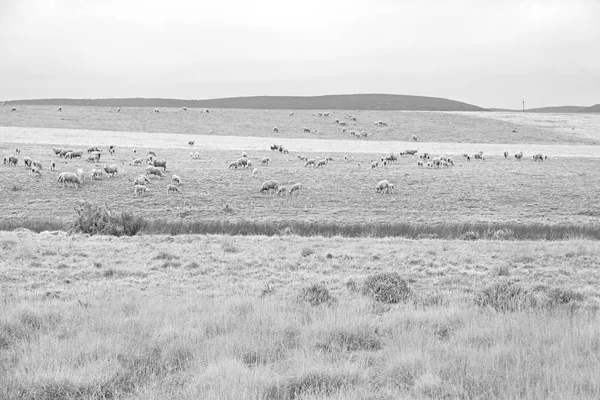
pixel 342 123
pixel 18 150
pixel 297 187
pixel 37 164
pixel 13 109
pixel 292 113
pixel 141 180
pixel 70 178
pixel 27 161
pixel 353 119
pixel 195 156
pixel 59 109
pixel 207 111
pixel 282 190
pixel 329 159
pixel 152 153
pixel 429 164
pixel 176 179
pixel 374 164
pixel 269 185
pixel 77 154
pixel 79 173
pixel 139 189
pixel 320 114
pixel 69 155
pixel 137 162
pixel 119 109
pixel 94 157
pixel 150 170
pixel 519 155
pixel 478 156
pixel 110 170
pixel 337 121
pixel 156 110
pixel 35 170
pixel 172 188
pixel 184 108
pixel 160 163
pixel 306 130
pixel 506 154
pixel 233 164
pixel 414 138
pixel 450 161
pixel 326 114
pixel 111 149
pixel 321 163
pixel 420 163
pixel 244 154
pixel 538 157
pixel 249 165
pixel 302 158
pixel 381 186
pixel 411 152
pixel 134 151
pixel 264 161
pixel 11 160
pixel 275 129
pixel 95 173
pixel 56 151
pixel 286 151
pixel 436 161
pixel 391 158
pixel 310 162
pixel 92 149
pixel 275 147
pixel 191 143
pixel 52 166
pixel 64 152
pixel 424 156
pixel 254 172
pixel 390 188
pixel 242 162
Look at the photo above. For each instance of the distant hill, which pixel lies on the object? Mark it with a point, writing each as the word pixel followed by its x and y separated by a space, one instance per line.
pixel 559 109
pixel 592 109
pixel 329 102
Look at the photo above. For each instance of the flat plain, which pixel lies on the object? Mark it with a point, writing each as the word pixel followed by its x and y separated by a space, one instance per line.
pixel 288 317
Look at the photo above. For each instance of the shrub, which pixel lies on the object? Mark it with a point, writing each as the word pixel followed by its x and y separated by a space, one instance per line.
pixel 307 251
pixel 96 219
pixel 387 287
pixel 350 339
pixel 564 296
pixel 505 296
pixel 470 236
pixel 316 295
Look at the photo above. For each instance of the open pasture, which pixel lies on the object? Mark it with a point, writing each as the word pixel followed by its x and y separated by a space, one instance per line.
pixel 495 190
pixel 428 126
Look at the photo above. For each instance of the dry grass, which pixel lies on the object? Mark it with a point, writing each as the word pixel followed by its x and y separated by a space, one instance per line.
pixel 456 127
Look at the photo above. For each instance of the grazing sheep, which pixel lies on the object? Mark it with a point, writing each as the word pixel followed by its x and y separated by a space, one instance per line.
pixel 64 152
pixel 52 166
pixel 111 149
pixel 282 191
pixel 18 150
pixel 420 163
pixel 79 173
pixel 306 130
pixel 13 109
pixel 119 109
pixel 249 165
pixel 297 187
pixel 95 173
pixel 286 151
pixel 195 156
pixel 264 161
pixel 233 164
pixel 275 147
pixel 27 161
pixel 450 161
pixel 269 185
pixel 69 178
pixel 11 160
pixel 35 170
pixel 275 129
pixel 381 186
pixel 134 151
pixel 59 109
pixel 519 155
pixel 92 149
pixel 414 137
pixel 176 179
pixel 329 159
pixel 56 151
pixel 110 170
pixel 137 162
pixel 321 163
pixel 254 172
pixel 156 110
pixel 302 158
pixel 184 108
pixel 353 119
pixel 429 164
pixel 172 188
pixel 436 161
pixel 160 164
pixel 139 189
pixel 310 162
pixel 411 152
pixel 141 180
pixel 424 156
pixel 69 155
pixel 191 143
pixel 152 153
pixel 479 156
pixel 94 157
pixel 242 162
pixel 37 164
pixel 342 123
pixel 150 170
pixel 506 154
pixel 77 154
pixel 244 154
pixel 374 164
pixel 538 157
pixel 292 113
pixel 326 114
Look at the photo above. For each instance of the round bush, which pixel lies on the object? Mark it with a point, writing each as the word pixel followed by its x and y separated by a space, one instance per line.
pixel 387 287
pixel 316 295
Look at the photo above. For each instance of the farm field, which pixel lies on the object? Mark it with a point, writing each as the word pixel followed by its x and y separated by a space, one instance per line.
pixel 452 127
pixel 560 189
pixel 230 318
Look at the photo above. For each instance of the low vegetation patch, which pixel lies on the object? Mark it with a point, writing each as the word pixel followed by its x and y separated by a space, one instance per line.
pixel 96 219
pixel 387 287
pixel 311 383
pixel 505 296
pixel 316 295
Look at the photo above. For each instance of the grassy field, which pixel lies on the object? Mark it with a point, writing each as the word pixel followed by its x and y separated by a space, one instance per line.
pixel 156 317
pixel 454 127
pixel 559 190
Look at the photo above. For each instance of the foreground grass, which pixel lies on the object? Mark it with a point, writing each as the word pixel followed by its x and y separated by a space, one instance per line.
pixel 188 317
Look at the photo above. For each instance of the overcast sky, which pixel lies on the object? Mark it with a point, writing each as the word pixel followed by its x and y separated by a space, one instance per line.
pixel 488 53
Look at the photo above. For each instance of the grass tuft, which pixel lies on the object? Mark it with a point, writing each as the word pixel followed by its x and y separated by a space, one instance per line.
pixel 387 287
pixel 316 295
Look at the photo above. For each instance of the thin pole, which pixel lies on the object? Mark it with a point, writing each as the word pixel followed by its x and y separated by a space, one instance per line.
pixel 523 104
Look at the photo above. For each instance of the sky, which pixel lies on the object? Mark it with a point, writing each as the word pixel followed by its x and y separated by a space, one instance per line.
pixel 491 53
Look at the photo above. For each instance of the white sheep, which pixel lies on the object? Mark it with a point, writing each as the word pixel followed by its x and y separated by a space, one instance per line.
pixel 70 178
pixel 172 188
pixel 110 170
pixel 52 166
pixel 282 190
pixel 297 187
pixel 27 161
pixel 176 179
pixel 150 170
pixel 141 180
pixel 79 173
pixel 35 170
pixel 321 163
pixel 233 164
pixel 381 186
pixel 269 185
pixel 264 161
pixel 275 129
pixel 139 189
pixel 137 162
pixel 310 162
pixel 37 164
pixel 254 172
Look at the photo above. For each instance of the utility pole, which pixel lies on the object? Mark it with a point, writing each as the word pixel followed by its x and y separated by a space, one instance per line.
pixel 523 101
